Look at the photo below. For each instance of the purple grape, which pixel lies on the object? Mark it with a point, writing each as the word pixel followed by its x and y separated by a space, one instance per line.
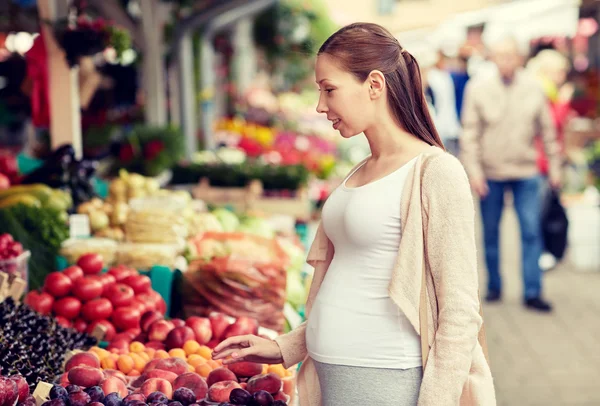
pixel 184 395
pixel 79 398
pixel 157 397
pixel 58 391
pixel 73 388
pixel 175 403
pixel 113 399
pixel 96 394
pixel 240 396
pixel 55 402
pixel 263 398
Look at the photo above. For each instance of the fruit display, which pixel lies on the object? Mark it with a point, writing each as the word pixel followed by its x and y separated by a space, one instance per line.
pixel 36 195
pixel 82 297
pixel 13 259
pixel 34 345
pixel 145 375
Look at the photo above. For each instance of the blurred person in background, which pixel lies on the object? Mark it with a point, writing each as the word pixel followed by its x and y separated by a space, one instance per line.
pixel 550 68
pixel 503 113
pixel 443 99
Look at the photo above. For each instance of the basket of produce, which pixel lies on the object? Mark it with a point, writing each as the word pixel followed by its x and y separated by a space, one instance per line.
pixel 13 259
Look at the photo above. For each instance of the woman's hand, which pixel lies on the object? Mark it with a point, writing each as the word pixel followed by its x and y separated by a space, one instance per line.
pixel 248 348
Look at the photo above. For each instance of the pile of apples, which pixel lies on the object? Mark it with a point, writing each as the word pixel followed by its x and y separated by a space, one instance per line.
pixel 82 297
pixel 14 390
pixel 161 334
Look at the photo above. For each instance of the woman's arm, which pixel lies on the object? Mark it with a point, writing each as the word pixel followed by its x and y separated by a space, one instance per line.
pixel 449 232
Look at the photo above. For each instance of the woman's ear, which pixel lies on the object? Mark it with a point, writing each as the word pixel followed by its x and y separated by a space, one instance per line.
pixel 376 83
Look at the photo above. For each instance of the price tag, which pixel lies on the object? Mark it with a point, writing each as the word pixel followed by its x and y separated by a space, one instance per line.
pixel 79 226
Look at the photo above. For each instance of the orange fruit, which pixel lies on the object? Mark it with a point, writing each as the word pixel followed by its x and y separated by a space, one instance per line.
pixel 278 370
pixel 150 352
pixel 108 363
pixel 138 362
pixel 136 346
pixel 161 354
pixel 203 370
pixel 177 353
pixel 205 352
pixel 145 356
pixel 134 372
pixel 195 360
pixel 190 347
pixel 125 363
pixel 213 364
pixel 100 352
pixel 265 369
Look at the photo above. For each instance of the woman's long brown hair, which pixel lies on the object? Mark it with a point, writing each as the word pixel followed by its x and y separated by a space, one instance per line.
pixel 361 48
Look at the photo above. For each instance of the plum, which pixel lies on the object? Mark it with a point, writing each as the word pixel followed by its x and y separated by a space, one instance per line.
pixel 157 397
pixel 175 403
pixel 55 402
pixel 73 388
pixel 185 396
pixel 96 394
pixel 240 396
pixel 263 398
pixel 58 391
pixel 113 399
pixel 79 398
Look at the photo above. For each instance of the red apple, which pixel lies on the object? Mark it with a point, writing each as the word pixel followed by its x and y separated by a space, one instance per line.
pixel 159 330
pixel 148 318
pixel 219 323
pixel 242 326
pixel 178 336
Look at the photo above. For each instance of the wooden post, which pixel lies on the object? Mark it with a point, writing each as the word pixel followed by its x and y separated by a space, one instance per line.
pixel 153 70
pixel 65 114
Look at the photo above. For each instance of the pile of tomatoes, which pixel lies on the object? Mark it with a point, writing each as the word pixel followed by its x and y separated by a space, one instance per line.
pixel 83 297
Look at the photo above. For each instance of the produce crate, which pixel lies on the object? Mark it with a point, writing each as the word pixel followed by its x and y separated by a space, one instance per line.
pixel 253 198
pixel 11 286
pixel 18 266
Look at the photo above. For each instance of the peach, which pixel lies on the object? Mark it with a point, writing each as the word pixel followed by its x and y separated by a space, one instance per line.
pixel 280 396
pixel 157 384
pixel 219 375
pixel 114 384
pixel 178 336
pixel 178 322
pixel 85 376
pixel 148 318
pixel 159 373
pixel 151 365
pixel 269 382
pixel 201 327
pixel 117 374
pixel 220 391
pixel 120 344
pixel 194 382
pixel 243 385
pixel 155 345
pixel 83 359
pixel 159 330
pixel 242 326
pixel 246 369
pixel 176 365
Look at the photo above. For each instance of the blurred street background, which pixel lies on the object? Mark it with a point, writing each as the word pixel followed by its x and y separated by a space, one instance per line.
pixel 216 99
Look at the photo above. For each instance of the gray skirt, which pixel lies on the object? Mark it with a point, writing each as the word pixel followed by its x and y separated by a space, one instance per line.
pixel 343 385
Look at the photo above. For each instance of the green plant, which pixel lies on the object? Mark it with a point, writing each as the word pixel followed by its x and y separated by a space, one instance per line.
pixel 150 150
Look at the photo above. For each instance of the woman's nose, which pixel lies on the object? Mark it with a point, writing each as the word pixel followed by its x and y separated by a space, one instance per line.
pixel 321 106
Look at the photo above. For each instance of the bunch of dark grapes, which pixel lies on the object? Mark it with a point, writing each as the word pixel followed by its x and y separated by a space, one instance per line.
pixel 34 345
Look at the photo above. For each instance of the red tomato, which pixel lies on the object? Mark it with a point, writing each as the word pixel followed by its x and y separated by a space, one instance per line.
pixel 121 272
pixel 139 304
pixel 73 272
pixel 58 284
pixel 67 307
pixel 91 263
pixel 41 302
pixel 87 289
pixel 139 283
pixel 63 322
pixel 120 295
pixel 97 309
pixel 110 329
pixel 125 318
pixel 80 325
pixel 107 280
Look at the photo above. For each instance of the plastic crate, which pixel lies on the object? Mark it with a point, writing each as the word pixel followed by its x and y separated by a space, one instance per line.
pixel 18 266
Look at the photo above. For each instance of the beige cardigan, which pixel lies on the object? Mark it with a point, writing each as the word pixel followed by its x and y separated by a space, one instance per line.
pixel 457 372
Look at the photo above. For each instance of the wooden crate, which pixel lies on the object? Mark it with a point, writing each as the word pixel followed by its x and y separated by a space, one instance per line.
pixel 252 199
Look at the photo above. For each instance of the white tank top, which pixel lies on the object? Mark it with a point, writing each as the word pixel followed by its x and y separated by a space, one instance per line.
pixel 353 320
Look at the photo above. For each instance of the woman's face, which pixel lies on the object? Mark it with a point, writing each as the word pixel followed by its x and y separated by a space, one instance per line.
pixel 343 98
